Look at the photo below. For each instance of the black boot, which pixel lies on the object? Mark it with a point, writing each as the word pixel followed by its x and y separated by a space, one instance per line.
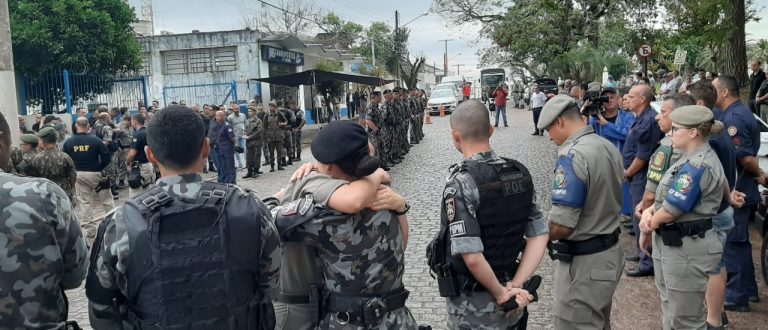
pixel 272 167
pixel 257 171
pixel 249 174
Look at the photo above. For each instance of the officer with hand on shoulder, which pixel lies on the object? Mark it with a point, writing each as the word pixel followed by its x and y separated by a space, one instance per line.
pixel 586 199
pixel 488 215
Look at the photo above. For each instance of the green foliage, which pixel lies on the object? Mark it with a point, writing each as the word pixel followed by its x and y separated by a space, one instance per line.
pixel 758 50
pixel 81 35
pixel 335 88
pixel 345 31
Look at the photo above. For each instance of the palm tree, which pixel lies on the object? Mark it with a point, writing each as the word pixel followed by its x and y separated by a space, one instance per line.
pixel 758 50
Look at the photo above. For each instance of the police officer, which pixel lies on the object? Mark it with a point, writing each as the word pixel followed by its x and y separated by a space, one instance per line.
pixel 52 164
pixel 287 158
pixel 274 122
pixel 142 166
pixel 226 140
pixel 387 130
pixel 21 156
pixel 222 278
pixel 374 121
pixel 745 136
pixel 641 141
pixel 586 199
pixel 488 213
pixel 345 180
pixel 90 157
pixel 254 140
pixel 42 246
pixel 415 137
pixel 685 248
pixel 298 124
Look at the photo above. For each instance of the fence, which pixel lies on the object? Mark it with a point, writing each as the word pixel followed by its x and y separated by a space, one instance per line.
pixel 64 91
pixel 215 94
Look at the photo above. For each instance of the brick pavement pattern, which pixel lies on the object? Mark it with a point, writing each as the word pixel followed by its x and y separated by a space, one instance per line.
pixel 420 178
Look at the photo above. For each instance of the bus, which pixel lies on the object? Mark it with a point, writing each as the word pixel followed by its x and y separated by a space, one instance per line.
pixel 492 78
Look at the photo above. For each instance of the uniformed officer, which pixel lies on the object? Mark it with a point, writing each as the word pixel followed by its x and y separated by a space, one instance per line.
pixel 488 214
pixel 387 130
pixel 370 293
pixel 642 139
pixel 42 246
pixel 415 137
pixel 136 154
pixel 586 199
pixel 287 146
pixel 52 164
pixel 374 121
pixel 213 256
pixel 90 157
pixel 298 124
pixel 254 140
pixel 685 248
pixel 225 149
pixel 274 122
pixel 21 156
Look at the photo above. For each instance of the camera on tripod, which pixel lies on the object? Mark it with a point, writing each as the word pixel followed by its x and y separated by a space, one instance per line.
pixel 593 103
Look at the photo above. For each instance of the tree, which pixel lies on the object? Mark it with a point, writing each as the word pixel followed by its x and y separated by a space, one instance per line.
pixel 296 16
pixel 758 50
pixel 88 37
pixel 345 32
pixel 410 72
pixel 334 87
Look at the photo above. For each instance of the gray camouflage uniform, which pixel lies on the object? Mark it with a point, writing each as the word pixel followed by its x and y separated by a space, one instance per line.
pixel 42 253
pixel 479 310
pixel 111 268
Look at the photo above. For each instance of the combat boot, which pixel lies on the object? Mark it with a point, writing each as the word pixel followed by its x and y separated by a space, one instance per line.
pixel 249 174
pixel 272 167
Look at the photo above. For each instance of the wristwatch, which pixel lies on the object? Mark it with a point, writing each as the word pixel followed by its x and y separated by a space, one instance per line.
pixel 407 208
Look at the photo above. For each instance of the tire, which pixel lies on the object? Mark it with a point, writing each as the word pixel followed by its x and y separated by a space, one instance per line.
pixel 764 257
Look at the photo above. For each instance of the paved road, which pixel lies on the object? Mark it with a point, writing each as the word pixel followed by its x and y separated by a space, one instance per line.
pixel 420 178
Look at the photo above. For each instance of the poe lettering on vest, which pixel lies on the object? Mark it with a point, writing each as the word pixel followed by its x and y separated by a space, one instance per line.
pixel 512 183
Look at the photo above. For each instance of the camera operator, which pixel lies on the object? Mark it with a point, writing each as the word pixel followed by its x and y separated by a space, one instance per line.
pixel 613 123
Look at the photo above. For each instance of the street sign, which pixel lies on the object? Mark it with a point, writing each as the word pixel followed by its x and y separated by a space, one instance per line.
pixel 680 56
pixel 644 50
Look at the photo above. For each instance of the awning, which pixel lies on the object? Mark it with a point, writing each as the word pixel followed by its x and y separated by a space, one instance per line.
pixel 312 77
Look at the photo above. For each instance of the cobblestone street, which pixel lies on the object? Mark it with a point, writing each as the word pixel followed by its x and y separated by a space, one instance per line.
pixel 420 179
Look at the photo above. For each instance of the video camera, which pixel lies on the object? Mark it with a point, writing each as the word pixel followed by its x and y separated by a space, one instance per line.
pixel 593 103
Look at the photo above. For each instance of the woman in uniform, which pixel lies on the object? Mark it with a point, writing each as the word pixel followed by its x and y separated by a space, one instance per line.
pixel 361 252
pixel 685 248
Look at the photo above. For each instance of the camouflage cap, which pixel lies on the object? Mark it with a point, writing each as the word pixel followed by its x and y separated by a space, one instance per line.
pixel 45 132
pixel 691 115
pixel 553 108
pixel 29 138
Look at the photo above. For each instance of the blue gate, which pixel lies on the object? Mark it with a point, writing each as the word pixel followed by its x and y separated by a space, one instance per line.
pixel 64 91
pixel 213 94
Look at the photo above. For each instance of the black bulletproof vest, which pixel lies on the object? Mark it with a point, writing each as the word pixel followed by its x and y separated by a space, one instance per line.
pixel 506 198
pixel 191 264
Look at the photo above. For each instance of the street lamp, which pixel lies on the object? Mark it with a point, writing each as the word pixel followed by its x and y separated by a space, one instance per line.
pixel 397 47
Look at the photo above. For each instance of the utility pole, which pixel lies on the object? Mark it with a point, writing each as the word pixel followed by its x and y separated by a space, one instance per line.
pixel 9 105
pixel 445 56
pixel 397 48
pixel 458 70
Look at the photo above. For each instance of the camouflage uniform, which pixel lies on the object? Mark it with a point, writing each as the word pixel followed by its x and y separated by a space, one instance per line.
pixel 374 114
pixel 123 138
pixel 479 310
pixel 388 132
pixel 361 255
pixel 254 129
pixel 414 119
pixel 274 135
pixel 42 253
pixel 110 269
pixel 56 166
pixel 20 161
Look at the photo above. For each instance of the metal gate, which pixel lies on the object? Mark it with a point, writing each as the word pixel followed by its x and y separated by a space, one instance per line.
pixel 61 92
pixel 214 94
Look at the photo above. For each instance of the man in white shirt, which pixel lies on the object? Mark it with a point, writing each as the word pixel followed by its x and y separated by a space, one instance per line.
pixel 538 98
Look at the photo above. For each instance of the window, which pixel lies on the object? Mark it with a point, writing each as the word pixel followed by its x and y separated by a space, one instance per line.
pixel 146 64
pixel 200 60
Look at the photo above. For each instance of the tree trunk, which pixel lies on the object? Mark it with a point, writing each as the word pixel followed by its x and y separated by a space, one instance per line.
pixel 734 54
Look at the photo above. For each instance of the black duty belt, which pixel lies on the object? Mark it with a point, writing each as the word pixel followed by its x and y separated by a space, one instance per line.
pixel 365 310
pixel 293 299
pixel 593 245
pixel 688 228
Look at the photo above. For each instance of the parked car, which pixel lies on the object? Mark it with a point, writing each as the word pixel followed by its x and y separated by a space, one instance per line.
pixel 547 85
pixel 447 98
pixel 450 86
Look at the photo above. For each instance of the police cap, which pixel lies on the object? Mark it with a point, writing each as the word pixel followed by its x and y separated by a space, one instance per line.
pixel 29 138
pixel 553 108
pixel 387 91
pixel 376 93
pixel 340 140
pixel 691 115
pixel 46 132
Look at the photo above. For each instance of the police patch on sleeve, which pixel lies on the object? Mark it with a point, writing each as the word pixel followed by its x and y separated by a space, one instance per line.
pixel 686 188
pixel 567 188
pixel 450 208
pixel 458 229
pixel 732 130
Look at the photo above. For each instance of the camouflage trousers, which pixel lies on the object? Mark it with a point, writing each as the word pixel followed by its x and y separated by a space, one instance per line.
pixel 479 311
pixel 414 132
pixel 297 143
pixel 276 152
pixel 265 152
pixel 400 319
pixel 91 206
pixel 253 155
pixel 288 143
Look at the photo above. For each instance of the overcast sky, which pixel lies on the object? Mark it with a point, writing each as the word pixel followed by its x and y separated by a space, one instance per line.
pixel 183 16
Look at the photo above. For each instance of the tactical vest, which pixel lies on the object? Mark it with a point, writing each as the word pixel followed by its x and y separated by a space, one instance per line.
pixel 183 270
pixel 506 198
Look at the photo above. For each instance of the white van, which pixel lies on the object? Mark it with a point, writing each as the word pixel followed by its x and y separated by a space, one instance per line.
pixel 459 81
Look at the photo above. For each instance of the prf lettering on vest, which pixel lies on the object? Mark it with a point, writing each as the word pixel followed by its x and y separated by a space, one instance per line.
pixel 81 148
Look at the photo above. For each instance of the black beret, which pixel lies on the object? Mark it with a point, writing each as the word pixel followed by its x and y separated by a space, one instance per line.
pixel 387 91
pixel 376 93
pixel 340 140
